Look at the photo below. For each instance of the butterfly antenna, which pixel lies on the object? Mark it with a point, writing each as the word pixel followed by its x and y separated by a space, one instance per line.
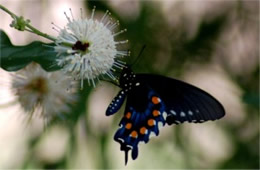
pixel 138 57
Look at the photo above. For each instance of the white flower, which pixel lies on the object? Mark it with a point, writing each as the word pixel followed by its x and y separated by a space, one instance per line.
pixel 46 93
pixel 87 47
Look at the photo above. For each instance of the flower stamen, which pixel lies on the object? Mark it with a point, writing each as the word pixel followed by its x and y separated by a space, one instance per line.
pixel 93 12
pixel 81 13
pixel 105 16
pixel 120 32
pixel 71 14
pixel 68 18
pixel 122 42
pixel 114 25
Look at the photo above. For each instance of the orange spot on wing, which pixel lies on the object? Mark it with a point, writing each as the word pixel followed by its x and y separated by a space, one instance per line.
pixel 150 122
pixel 156 113
pixel 128 115
pixel 128 125
pixel 155 100
pixel 134 134
pixel 143 130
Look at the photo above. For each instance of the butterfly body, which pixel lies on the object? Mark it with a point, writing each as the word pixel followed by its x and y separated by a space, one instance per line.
pixel 152 101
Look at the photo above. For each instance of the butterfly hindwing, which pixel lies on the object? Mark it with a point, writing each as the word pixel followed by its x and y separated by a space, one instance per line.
pixel 140 123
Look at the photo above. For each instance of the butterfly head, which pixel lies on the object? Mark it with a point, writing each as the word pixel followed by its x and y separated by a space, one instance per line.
pixel 127 79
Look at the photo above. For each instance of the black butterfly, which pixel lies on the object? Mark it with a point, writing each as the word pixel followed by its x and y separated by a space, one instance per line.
pixel 152 102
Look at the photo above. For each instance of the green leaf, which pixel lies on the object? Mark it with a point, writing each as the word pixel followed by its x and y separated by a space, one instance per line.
pixel 13 58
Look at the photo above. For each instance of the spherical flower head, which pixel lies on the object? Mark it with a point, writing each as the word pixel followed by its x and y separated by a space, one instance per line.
pixel 47 93
pixel 87 47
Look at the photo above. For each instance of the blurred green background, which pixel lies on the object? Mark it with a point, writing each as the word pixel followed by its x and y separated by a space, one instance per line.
pixel 211 44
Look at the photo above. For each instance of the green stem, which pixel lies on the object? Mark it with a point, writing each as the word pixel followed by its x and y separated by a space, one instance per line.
pixel 32 29
pixel 7 11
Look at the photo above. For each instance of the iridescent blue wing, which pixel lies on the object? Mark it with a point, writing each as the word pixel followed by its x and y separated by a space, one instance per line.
pixel 144 115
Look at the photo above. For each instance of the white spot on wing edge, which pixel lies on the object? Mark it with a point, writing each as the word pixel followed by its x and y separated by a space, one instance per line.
pixel 131 147
pixel 164 115
pixel 173 112
pixel 182 114
pixel 141 142
pixel 152 134
pixel 178 122
pixel 121 139
pixel 190 112
pixel 160 125
pixel 146 132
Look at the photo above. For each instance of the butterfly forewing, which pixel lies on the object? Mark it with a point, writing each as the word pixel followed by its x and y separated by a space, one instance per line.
pixel 183 101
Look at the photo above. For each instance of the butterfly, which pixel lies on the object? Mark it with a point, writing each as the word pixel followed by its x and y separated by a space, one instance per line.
pixel 152 101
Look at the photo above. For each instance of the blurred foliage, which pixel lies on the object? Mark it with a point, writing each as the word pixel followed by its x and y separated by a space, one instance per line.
pixel 250 85
pixel 175 51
